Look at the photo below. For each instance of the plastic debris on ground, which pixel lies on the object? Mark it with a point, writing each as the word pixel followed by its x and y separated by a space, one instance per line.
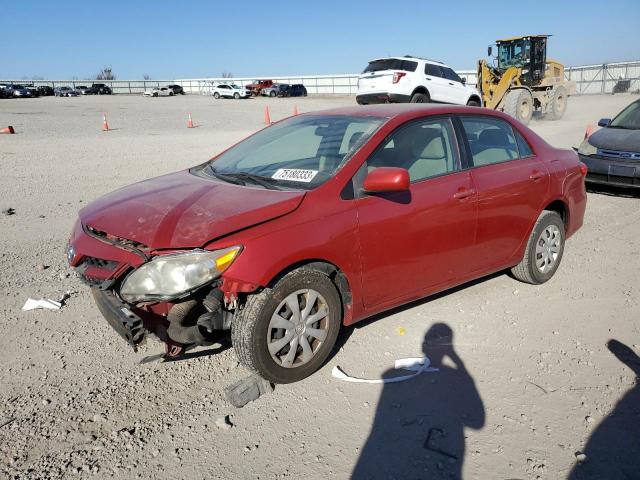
pixel 32 304
pixel 415 365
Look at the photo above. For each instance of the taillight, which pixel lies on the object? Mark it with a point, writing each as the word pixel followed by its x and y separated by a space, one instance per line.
pixel 583 169
pixel 397 76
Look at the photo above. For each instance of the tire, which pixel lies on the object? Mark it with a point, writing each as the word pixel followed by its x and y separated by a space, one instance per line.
pixel 155 94
pixel 171 94
pixel 473 103
pixel 252 328
pixel 548 226
pixel 558 104
pixel 216 95
pixel 236 96
pixel 519 104
pixel 420 98
pixel 272 93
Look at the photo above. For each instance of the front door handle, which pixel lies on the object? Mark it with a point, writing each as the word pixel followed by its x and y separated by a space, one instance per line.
pixel 536 175
pixel 463 193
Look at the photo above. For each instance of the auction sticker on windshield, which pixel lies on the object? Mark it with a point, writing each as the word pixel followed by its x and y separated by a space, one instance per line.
pixel 295 174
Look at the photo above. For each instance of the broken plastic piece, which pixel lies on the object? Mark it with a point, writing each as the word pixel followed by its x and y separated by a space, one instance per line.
pixel 415 365
pixel 32 304
pixel 247 390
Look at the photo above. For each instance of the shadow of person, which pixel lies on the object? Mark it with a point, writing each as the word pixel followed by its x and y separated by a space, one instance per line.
pixel 613 450
pixel 418 430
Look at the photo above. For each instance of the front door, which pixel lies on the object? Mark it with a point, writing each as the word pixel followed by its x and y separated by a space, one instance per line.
pixel 415 241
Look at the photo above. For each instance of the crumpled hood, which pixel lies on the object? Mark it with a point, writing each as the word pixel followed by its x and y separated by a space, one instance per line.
pixel 616 139
pixel 181 210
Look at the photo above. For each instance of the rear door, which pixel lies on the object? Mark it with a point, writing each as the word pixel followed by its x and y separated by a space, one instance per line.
pixel 421 239
pixel 435 82
pixel 512 185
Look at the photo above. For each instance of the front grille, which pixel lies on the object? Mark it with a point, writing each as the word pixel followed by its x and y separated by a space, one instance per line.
pixel 97 272
pixel 619 155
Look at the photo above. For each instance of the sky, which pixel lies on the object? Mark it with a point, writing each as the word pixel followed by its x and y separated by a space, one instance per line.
pixel 174 39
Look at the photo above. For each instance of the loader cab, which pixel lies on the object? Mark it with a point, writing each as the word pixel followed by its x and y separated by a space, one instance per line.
pixel 526 53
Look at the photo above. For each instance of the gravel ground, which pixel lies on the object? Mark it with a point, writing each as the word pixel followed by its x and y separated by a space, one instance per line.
pixel 525 373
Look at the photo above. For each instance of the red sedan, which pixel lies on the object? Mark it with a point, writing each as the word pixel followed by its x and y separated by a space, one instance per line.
pixel 322 220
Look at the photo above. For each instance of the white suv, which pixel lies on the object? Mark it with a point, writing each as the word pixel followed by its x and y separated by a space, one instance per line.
pixel 415 80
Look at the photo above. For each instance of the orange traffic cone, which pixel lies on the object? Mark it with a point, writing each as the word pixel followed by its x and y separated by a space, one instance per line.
pixel 190 122
pixel 9 129
pixel 295 110
pixel 588 131
pixel 267 117
pixel 105 125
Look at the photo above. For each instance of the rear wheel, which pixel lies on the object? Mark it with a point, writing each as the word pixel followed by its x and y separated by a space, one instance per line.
pixel 473 103
pixel 519 104
pixel 420 98
pixel 216 95
pixel 544 250
pixel 286 333
pixel 272 93
pixel 171 94
pixel 558 104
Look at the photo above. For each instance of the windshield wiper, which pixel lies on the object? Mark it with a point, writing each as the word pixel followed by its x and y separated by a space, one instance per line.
pixel 621 127
pixel 241 178
pixel 224 176
pixel 258 179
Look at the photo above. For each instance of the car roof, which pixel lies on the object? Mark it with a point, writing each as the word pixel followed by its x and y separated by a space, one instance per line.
pixel 406 111
pixel 408 57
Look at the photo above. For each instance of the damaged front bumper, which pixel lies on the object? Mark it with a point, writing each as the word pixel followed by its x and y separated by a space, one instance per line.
pixel 118 314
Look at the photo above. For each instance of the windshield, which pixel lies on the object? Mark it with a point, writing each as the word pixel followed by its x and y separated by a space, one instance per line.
pixel 300 152
pixel 628 118
pixel 514 54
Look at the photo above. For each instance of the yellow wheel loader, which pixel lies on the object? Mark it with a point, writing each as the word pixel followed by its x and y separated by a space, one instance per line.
pixel 522 79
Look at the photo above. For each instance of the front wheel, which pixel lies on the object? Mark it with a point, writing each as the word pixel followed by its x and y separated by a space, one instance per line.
pixel 236 96
pixel 544 250
pixel 272 94
pixel 473 103
pixel 171 94
pixel 519 104
pixel 286 333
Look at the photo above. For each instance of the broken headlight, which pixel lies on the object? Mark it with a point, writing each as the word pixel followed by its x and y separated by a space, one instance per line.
pixel 168 277
pixel 586 148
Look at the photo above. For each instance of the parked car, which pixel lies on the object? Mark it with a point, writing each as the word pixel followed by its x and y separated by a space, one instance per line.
pixel 45 91
pixel 415 80
pixel 229 91
pixel 177 89
pixel 158 92
pixel 612 154
pixel 295 90
pixel 84 90
pixel 65 92
pixel 322 220
pixel 256 87
pixel 277 89
pixel 101 89
pixel 33 90
pixel 19 91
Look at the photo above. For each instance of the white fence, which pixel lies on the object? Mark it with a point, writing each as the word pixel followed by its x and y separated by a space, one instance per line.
pixel 590 79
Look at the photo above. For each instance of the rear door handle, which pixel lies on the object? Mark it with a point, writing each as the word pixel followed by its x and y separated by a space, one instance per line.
pixel 464 193
pixel 536 175
pixel 450 83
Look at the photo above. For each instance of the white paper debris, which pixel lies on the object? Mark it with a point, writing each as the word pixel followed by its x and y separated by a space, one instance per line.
pixel 415 365
pixel 32 304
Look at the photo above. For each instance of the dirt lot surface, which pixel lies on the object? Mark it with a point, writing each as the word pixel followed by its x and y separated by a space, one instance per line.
pixel 525 372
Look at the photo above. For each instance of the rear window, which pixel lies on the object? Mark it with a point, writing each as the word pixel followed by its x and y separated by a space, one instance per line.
pixel 391 64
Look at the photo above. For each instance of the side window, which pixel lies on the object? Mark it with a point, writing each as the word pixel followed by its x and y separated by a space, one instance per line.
pixel 523 146
pixel 426 148
pixel 433 70
pixel 491 140
pixel 449 74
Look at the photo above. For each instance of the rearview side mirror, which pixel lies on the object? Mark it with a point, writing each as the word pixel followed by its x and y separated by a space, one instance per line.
pixel 387 179
pixel 464 80
pixel 604 122
pixel 489 51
